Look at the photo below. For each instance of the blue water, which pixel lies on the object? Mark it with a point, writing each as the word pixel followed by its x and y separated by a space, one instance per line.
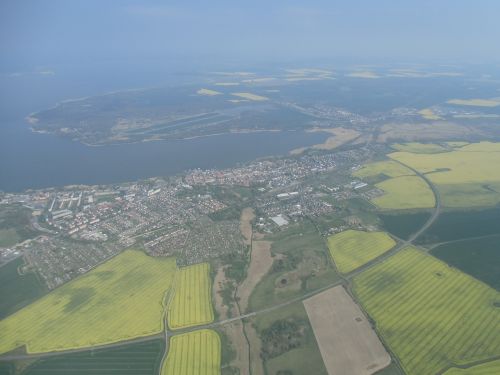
pixel 32 160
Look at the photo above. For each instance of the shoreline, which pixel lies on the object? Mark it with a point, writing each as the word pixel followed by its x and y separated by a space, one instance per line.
pixel 241 131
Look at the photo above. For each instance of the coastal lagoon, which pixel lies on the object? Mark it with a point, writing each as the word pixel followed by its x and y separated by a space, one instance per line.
pixel 32 160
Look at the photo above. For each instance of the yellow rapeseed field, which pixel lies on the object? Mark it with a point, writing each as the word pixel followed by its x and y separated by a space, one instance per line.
pixel 120 299
pixel 429 114
pixel 352 248
pixel 468 176
pixel 488 368
pixel 193 353
pixel 431 315
pixel 250 96
pixel 405 192
pixel 388 168
pixel 208 92
pixel 494 102
pixel 191 303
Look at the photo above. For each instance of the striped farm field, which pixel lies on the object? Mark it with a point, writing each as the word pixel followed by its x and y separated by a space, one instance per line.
pixel 405 192
pixel 466 177
pixel 119 300
pixel 353 248
pixel 193 353
pixel 389 168
pixel 488 368
pixel 432 316
pixel 191 303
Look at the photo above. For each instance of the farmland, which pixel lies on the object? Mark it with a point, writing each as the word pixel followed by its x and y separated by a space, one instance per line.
pixel 388 168
pixel 456 225
pixel 300 355
pixel 432 316
pixel 346 339
pixel 250 96
pixel 191 303
pixel 403 225
pixel 465 177
pixel 208 92
pixel 351 249
pixel 120 299
pixel 197 352
pixel 419 148
pixel 475 102
pixel 478 257
pixel 429 114
pixel 133 359
pixel 402 189
pixel 405 192
pixel 487 368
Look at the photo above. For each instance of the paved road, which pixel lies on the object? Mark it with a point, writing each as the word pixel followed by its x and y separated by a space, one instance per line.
pixel 344 280
pixel 434 245
pixel 414 236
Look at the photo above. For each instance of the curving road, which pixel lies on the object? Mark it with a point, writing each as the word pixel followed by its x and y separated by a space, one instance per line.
pixel 405 243
pixel 344 280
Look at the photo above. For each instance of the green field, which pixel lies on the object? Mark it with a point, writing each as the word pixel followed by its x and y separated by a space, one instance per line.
pixel 351 249
pixel 455 225
pixel 387 168
pixel 477 257
pixel 193 353
pixel 405 192
pixel 134 359
pixel 403 225
pixel 17 290
pixel 431 316
pixel 120 299
pixel 489 368
pixel 466 177
pixel 419 148
pixel 191 303
pixel 7 368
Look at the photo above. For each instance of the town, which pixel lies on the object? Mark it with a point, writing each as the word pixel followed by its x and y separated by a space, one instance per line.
pixel 194 216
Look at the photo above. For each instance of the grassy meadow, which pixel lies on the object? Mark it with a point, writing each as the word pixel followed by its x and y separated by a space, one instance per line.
pixel 300 259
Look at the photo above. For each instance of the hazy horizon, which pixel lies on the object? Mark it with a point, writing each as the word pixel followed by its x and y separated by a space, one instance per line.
pixel 36 35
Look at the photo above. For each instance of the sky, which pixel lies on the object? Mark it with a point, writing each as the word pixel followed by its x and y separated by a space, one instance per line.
pixel 37 34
